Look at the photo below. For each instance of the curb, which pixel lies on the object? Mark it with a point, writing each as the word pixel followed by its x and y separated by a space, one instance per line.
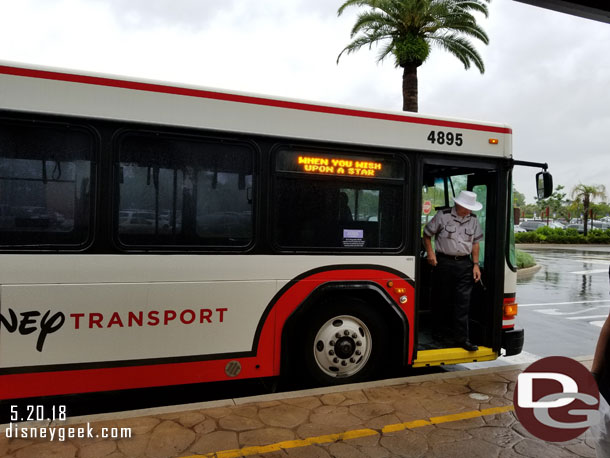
pixel 564 246
pixel 527 272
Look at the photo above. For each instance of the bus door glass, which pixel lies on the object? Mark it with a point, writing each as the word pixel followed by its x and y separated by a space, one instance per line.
pixel 481 192
pixel 452 186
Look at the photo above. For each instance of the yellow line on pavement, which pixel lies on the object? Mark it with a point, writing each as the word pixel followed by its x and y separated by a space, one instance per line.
pixel 446 418
pixel 354 434
pixel 256 450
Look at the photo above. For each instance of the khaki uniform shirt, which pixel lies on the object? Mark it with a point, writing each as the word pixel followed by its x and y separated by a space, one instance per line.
pixel 455 235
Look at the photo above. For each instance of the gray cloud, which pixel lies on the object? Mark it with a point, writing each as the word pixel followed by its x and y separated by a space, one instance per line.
pixel 191 14
pixel 196 14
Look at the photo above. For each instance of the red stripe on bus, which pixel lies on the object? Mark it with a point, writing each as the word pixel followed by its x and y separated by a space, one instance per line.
pixel 164 89
pixel 122 378
pixel 266 363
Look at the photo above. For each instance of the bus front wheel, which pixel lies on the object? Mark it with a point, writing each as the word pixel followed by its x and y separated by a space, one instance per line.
pixel 345 343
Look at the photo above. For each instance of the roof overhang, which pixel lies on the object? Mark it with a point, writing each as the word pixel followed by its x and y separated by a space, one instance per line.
pixel 597 10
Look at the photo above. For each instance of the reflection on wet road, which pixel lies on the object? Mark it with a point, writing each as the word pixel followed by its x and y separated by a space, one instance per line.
pixel 563 306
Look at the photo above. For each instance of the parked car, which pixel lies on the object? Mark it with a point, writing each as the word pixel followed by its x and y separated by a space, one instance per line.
pixel 600 225
pixel 518 229
pixel 532 225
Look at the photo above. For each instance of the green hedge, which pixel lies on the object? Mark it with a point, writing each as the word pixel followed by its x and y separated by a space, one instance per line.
pixel 548 235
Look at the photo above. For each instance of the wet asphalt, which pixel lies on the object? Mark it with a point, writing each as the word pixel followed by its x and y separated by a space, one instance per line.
pixel 563 306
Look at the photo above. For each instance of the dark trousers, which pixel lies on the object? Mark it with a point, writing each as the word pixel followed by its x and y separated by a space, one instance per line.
pixel 453 283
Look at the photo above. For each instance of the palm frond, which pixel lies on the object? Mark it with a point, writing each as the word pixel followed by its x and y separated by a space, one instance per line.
pixel 355 45
pixel 358 3
pixel 385 51
pixel 372 21
pixel 582 191
pixel 473 5
pixel 468 28
pixel 462 49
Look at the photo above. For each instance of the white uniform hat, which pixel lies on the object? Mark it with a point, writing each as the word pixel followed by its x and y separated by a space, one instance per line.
pixel 468 200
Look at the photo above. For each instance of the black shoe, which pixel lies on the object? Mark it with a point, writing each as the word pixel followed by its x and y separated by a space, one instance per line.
pixel 469 346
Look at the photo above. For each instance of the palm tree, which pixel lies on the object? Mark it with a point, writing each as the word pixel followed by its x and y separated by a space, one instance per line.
pixel 585 194
pixel 408 28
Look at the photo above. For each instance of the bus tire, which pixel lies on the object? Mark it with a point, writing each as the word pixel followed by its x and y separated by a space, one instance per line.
pixel 344 342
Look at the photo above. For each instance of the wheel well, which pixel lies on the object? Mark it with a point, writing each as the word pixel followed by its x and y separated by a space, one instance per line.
pixel 391 315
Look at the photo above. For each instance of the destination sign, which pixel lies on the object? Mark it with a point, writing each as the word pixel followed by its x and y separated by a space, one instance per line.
pixel 339 165
pixel 334 166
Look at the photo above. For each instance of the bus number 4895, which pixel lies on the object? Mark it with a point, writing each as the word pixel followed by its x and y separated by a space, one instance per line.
pixel 445 138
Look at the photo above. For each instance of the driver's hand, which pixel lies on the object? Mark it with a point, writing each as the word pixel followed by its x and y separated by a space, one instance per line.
pixel 476 273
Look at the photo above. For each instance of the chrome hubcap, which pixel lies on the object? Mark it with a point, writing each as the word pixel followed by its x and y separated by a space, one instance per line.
pixel 342 346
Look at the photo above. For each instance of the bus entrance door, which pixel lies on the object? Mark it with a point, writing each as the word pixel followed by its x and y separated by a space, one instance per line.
pixel 436 343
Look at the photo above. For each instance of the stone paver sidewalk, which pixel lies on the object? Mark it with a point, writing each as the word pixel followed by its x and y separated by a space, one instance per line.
pixel 415 417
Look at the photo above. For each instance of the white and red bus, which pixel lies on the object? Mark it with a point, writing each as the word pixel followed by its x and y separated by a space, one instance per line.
pixel 155 234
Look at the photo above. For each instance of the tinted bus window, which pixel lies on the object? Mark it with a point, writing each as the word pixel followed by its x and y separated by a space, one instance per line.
pixel 184 191
pixel 45 184
pixel 338 201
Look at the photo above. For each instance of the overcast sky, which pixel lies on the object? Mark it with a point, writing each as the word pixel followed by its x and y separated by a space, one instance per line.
pixel 548 74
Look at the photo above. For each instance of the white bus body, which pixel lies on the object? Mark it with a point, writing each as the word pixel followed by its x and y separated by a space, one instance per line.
pixel 92 298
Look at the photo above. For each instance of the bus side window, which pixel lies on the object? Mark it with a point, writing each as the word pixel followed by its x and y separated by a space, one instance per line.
pixel 184 191
pixel 322 214
pixel 45 179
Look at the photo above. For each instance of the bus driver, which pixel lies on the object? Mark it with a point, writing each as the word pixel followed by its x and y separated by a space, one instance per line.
pixel 458 234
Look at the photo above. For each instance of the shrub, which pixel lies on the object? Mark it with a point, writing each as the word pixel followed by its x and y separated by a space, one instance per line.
pixel 546 231
pixel 524 260
pixel 527 237
pixel 598 236
pixel 546 234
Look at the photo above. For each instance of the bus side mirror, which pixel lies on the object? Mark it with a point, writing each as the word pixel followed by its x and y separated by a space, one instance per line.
pixel 544 185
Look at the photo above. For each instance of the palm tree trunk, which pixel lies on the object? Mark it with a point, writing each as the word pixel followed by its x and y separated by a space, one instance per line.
pixel 586 215
pixel 409 87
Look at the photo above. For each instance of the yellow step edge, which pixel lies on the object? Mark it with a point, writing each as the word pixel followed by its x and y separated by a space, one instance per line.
pixel 454 355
